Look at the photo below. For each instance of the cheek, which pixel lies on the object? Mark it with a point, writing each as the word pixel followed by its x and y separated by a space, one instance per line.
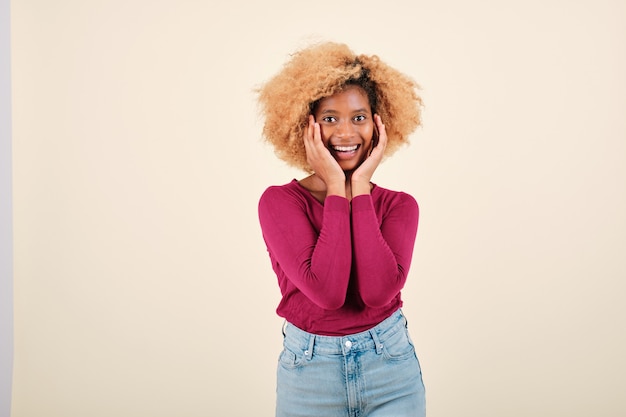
pixel 326 132
pixel 368 133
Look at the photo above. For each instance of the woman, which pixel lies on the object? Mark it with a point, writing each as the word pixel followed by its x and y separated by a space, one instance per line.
pixel 340 245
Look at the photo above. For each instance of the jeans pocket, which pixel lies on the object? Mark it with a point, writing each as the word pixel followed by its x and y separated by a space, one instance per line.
pixel 290 359
pixel 398 346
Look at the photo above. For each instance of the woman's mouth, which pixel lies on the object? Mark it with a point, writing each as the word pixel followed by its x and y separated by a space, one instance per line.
pixel 344 152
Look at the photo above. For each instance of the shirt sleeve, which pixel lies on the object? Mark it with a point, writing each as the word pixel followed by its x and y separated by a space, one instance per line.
pixel 383 248
pixel 318 264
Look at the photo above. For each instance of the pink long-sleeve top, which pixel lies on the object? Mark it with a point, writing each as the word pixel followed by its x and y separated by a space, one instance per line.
pixel 340 265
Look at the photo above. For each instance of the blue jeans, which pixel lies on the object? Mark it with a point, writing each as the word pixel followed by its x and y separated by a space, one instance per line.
pixel 373 373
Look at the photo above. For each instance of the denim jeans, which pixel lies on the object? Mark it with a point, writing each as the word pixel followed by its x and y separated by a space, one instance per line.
pixel 374 373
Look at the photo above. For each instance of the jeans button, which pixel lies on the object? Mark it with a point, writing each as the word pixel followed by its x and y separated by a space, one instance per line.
pixel 348 344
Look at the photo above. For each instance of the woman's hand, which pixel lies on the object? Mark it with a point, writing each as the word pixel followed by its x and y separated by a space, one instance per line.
pixel 362 175
pixel 322 162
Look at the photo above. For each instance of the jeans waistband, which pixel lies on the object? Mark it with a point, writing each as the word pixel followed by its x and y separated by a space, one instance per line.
pixel 299 340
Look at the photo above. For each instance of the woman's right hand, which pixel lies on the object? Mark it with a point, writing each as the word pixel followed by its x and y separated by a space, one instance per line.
pixel 321 161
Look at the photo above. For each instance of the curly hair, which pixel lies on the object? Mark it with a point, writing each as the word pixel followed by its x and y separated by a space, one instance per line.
pixel 320 71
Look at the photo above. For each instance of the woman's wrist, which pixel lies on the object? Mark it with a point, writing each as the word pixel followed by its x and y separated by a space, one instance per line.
pixel 360 187
pixel 336 188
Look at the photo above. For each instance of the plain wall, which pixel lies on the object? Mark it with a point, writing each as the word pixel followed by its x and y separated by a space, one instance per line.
pixel 142 285
pixel 6 215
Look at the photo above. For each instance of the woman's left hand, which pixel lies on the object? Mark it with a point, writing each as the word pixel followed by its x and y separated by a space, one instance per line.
pixel 362 176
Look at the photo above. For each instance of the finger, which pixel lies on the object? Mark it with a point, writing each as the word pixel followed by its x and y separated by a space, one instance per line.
pixel 317 133
pixel 310 127
pixel 382 132
pixel 308 133
pixel 308 141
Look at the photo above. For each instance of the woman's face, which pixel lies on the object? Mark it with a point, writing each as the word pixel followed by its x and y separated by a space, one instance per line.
pixel 347 126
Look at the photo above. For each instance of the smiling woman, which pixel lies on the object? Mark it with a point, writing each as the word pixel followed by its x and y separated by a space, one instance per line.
pixel 318 72
pixel 341 246
pixel 347 118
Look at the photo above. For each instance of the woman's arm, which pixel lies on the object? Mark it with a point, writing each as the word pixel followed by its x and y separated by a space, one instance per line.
pixel 317 264
pixel 383 249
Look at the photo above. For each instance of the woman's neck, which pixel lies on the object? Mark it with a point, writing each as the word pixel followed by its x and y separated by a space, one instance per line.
pixel 318 188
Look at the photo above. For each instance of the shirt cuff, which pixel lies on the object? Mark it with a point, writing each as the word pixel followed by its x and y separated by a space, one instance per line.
pixel 336 203
pixel 362 202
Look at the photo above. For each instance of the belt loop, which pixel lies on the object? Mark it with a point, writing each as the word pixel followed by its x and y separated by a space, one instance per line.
pixel 308 354
pixel 379 346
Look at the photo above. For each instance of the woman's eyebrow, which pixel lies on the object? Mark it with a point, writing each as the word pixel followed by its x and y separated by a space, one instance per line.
pixel 362 110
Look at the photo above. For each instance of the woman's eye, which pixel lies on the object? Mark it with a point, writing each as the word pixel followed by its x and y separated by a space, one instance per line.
pixel 359 118
pixel 329 119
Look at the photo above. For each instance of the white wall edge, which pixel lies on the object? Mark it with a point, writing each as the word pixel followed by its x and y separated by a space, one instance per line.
pixel 6 214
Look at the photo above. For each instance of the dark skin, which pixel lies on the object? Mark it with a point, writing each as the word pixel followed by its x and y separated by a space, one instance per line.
pixel 340 147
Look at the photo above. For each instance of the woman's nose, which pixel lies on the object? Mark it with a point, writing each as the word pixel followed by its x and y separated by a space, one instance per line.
pixel 344 129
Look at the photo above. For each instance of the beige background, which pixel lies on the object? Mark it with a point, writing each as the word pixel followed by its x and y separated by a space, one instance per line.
pixel 142 285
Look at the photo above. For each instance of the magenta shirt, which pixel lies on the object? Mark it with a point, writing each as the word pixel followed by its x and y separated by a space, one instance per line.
pixel 340 265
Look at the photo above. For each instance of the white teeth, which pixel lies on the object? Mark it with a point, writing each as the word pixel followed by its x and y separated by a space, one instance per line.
pixel 345 148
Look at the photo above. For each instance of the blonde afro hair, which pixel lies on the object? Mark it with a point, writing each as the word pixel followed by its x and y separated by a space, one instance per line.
pixel 322 70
